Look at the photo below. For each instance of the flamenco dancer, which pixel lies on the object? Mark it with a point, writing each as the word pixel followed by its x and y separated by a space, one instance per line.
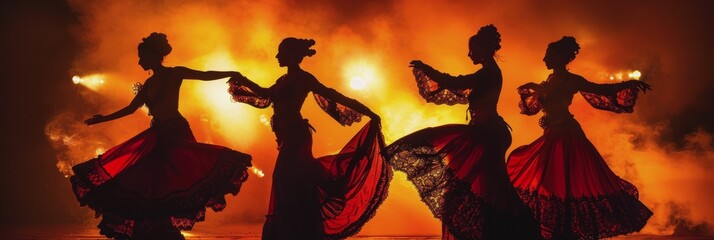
pixel 459 170
pixel 561 176
pixel 162 180
pixel 326 198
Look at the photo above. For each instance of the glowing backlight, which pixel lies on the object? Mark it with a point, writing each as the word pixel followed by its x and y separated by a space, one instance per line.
pixel 94 81
pixel 635 75
pixel 361 75
pixel 257 172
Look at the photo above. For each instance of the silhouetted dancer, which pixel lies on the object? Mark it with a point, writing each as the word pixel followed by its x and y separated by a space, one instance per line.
pixel 561 175
pixel 331 197
pixel 459 170
pixel 162 180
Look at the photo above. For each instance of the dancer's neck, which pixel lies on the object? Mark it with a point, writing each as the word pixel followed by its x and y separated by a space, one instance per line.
pixel 294 69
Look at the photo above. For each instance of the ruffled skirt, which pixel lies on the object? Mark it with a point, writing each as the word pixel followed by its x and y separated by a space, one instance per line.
pixel 570 188
pixel 161 180
pixel 460 173
pixel 330 197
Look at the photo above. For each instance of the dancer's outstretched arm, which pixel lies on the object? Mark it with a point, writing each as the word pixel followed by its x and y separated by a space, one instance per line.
pixel 584 85
pixel 187 73
pixel 135 103
pixel 444 80
pixel 319 88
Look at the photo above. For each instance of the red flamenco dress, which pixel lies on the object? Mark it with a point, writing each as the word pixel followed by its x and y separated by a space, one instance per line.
pixel 562 177
pixel 329 197
pixel 158 182
pixel 459 170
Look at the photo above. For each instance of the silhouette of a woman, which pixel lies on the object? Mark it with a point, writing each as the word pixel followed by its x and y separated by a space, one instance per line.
pixel 162 180
pixel 326 198
pixel 459 170
pixel 561 175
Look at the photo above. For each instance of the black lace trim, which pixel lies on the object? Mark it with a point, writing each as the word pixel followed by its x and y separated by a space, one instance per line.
pixel 227 177
pixel 592 217
pixel 621 102
pixel 431 92
pixel 343 114
pixel 243 94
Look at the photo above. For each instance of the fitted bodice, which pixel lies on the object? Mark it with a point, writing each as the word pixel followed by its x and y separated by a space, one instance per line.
pixel 161 93
pixel 288 95
pixel 483 98
pixel 557 95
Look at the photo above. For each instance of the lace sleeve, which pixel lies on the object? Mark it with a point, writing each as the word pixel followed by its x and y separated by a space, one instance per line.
pixel 433 93
pixel 622 101
pixel 529 103
pixel 243 94
pixel 343 114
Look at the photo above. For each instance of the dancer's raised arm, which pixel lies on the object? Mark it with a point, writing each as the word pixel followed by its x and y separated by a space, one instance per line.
pixel 443 79
pixel 584 85
pixel 329 93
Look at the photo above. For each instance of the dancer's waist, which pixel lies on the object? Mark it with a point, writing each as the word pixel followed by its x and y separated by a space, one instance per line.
pixel 281 122
pixel 549 120
pixel 168 121
pixel 481 116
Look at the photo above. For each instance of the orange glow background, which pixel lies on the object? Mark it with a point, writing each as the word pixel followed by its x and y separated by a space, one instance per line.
pixel 374 42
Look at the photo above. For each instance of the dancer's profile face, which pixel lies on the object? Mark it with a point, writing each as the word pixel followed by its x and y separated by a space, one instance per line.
pixel 286 58
pixel 148 61
pixel 553 60
pixel 281 59
pixel 472 55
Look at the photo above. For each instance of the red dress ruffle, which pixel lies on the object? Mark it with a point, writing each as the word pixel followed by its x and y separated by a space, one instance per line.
pixel 161 180
pixel 330 197
pixel 570 188
pixel 460 173
pixel 562 177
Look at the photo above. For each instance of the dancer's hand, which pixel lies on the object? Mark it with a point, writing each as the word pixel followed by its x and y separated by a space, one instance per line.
pixel 237 75
pixel 639 85
pixel 238 78
pixel 94 120
pixel 418 64
pixel 375 118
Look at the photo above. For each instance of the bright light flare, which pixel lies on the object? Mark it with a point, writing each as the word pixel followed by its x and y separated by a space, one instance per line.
pixel 99 151
pixel 265 120
pixel 257 172
pixel 625 75
pixel 361 75
pixel 94 81
pixel 635 75
pixel 358 83
pixel 187 234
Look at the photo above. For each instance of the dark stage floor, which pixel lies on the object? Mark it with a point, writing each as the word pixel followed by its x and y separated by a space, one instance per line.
pixel 227 232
